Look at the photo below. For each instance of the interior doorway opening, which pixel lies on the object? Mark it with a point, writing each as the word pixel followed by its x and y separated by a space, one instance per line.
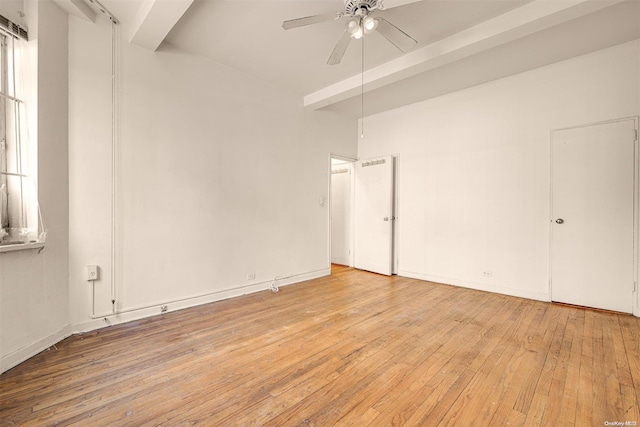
pixel 341 199
pixel 362 213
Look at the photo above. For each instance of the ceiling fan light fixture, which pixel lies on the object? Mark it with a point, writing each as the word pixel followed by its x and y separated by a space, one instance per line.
pixel 355 29
pixel 360 21
pixel 369 23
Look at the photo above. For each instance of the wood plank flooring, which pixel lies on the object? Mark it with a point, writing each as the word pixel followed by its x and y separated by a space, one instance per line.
pixel 351 349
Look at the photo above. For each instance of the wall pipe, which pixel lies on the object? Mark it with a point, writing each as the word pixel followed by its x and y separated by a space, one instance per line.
pixel 114 163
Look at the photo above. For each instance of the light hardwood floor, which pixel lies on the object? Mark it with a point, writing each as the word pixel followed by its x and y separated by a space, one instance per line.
pixel 351 349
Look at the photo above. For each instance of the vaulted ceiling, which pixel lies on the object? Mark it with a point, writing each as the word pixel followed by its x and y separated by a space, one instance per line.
pixel 461 43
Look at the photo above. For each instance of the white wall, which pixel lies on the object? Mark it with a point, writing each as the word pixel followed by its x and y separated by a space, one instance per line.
pixel 34 287
pixel 220 175
pixel 474 168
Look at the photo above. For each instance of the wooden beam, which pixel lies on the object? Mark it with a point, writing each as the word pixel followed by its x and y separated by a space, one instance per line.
pixel 155 19
pixel 388 4
pixel 77 8
pixel 533 17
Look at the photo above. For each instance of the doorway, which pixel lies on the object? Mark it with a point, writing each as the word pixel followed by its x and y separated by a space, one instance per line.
pixel 362 213
pixel 341 211
pixel 593 215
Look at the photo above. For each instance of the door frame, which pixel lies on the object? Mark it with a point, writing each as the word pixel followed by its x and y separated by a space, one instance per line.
pixel 636 206
pixel 395 238
pixel 351 202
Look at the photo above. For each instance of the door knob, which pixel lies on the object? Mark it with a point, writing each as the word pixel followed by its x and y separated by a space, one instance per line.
pixel 559 221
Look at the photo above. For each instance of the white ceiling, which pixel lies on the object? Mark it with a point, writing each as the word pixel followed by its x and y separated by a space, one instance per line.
pixel 461 43
pixel 247 35
pixel 608 27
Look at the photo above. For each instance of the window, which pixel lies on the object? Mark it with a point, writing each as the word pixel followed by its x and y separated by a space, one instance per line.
pixel 19 219
pixel 4 216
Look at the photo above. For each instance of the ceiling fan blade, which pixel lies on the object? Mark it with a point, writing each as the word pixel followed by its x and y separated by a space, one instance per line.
pixel 395 35
pixel 308 20
pixel 340 49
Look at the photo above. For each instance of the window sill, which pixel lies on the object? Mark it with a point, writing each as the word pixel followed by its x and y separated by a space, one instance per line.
pixel 21 247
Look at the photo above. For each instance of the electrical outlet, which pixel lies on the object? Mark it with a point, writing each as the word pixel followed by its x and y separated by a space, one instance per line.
pixel 163 309
pixel 251 276
pixel 487 273
pixel 93 272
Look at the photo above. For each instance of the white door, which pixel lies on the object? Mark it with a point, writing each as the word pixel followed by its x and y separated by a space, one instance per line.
pixel 341 214
pixel 374 215
pixel 592 216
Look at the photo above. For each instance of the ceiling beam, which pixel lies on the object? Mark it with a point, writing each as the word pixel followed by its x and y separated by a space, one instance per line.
pixel 523 21
pixel 388 4
pixel 77 8
pixel 155 19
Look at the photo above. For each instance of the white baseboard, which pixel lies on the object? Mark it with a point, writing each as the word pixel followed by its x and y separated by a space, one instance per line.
pixel 130 314
pixel 538 296
pixel 10 360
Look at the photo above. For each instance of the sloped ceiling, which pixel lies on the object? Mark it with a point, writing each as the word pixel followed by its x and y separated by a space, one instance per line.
pixel 461 43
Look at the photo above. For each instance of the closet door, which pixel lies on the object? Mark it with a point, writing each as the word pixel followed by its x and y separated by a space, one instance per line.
pixel 592 236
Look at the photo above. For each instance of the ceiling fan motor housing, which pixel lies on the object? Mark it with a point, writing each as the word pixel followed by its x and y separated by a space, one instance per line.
pixel 351 7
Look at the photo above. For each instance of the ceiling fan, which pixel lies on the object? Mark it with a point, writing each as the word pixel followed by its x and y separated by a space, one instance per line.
pixel 360 22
